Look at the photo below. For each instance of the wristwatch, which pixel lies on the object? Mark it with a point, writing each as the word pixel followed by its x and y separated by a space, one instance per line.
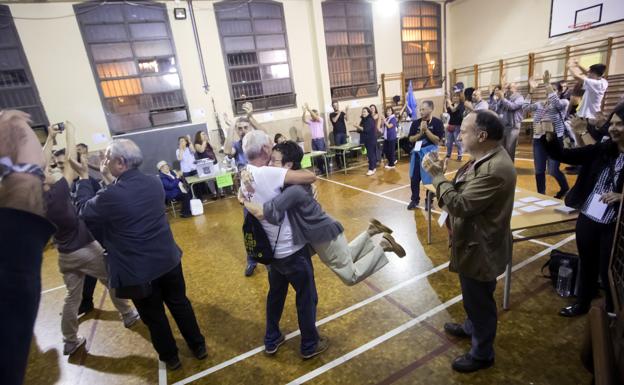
pixel 7 167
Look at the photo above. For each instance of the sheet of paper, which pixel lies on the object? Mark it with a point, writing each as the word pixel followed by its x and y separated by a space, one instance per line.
pixel 514 213
pixel 517 190
pixel 596 208
pixel 565 209
pixel 417 146
pixel 531 208
pixel 100 138
pixel 442 218
pixel 518 204
pixel 547 203
pixel 529 199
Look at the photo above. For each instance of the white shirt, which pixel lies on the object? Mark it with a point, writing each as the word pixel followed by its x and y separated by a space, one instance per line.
pixel 187 163
pixel 268 183
pixel 594 92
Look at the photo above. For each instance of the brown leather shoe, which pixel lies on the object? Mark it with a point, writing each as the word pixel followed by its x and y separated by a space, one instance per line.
pixel 380 227
pixel 396 248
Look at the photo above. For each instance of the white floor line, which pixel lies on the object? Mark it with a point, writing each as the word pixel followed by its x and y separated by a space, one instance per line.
pixel 375 194
pixel 162 373
pixel 395 189
pixel 54 288
pixel 536 241
pixel 325 320
pixel 409 324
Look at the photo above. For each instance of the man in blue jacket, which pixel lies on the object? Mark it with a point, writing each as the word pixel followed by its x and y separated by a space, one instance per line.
pixel 143 258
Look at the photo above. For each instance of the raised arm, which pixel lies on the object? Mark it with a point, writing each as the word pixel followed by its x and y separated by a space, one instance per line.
pixel 47 147
pixel 303 114
pixel 70 152
pixel 576 70
pixel 231 134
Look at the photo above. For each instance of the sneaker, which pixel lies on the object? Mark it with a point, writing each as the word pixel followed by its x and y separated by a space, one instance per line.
pixel 85 308
pixel 394 246
pixel 380 227
pixel 371 172
pixel 321 346
pixel 459 158
pixel 250 269
pixel 273 350
pixel 389 167
pixel 131 318
pixel 173 363
pixel 69 348
pixel 201 352
pixel 412 205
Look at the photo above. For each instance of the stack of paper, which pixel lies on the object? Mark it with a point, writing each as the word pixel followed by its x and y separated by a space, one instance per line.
pixel 529 199
pixel 531 208
pixel 547 203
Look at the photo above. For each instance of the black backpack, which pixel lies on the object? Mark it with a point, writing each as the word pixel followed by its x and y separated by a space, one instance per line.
pixel 256 241
pixel 556 259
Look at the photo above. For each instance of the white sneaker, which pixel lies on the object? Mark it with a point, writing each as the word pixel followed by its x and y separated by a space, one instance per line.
pixel 389 167
pixel 131 318
pixel 371 172
pixel 70 348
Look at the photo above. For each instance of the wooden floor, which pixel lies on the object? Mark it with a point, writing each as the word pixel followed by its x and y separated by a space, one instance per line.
pixel 386 330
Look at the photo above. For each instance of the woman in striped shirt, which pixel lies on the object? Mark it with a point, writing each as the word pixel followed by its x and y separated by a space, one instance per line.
pixel 597 193
pixel 548 114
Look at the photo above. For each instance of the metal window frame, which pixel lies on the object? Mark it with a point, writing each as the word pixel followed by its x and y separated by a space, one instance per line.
pixel 438 72
pixel 82 8
pixel 264 98
pixel 353 85
pixel 5 10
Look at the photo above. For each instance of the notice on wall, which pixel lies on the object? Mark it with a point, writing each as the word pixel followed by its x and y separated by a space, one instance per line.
pixel 99 138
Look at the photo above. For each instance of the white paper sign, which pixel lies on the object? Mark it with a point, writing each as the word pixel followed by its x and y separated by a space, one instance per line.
pixel 514 213
pixel 530 208
pixel 529 199
pixel 547 203
pixel 417 146
pixel 442 218
pixel 518 204
pixel 597 208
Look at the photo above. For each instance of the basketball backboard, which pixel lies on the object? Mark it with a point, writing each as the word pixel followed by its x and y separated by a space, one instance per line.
pixel 567 16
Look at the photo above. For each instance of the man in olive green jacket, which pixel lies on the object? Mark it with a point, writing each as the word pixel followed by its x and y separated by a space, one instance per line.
pixel 479 202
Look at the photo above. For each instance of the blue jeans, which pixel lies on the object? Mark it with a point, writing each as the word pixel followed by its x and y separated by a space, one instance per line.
pixel 451 137
pixel 540 160
pixel 318 144
pixel 296 270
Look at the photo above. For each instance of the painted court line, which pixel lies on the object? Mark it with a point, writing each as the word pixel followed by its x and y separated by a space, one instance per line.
pixel 162 373
pixel 325 320
pixel 409 324
pixel 54 288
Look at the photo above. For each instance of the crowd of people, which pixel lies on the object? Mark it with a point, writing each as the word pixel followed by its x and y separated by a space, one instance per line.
pixel 116 230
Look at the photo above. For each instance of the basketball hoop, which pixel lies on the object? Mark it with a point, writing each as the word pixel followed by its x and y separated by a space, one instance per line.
pixel 580 26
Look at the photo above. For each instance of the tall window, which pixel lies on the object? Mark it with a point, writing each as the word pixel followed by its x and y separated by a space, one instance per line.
pixel 134 62
pixel 17 87
pixel 255 49
pixel 420 37
pixel 350 48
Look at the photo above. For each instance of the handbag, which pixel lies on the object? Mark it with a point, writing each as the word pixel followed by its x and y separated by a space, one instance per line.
pixel 257 242
pixel 141 291
pixel 555 261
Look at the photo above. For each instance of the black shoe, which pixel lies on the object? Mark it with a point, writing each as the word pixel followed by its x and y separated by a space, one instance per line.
pixel 574 310
pixel 561 194
pixel 85 308
pixel 185 215
pixel 273 350
pixel 456 330
pixel 321 346
pixel 200 353
pixel 412 205
pixel 468 364
pixel 173 363
pixel 250 269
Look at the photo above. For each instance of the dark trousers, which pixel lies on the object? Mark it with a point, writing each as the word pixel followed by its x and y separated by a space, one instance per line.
pixel 371 153
pixel 169 289
pixel 594 241
pixel 480 307
pixel 87 290
pixel 540 159
pixel 185 199
pixel 415 181
pixel 390 151
pixel 340 138
pixel 318 144
pixel 295 270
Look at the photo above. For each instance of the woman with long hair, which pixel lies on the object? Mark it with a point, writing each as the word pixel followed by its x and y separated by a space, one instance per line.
pixel 390 137
pixel 368 137
pixel 379 129
pixel 203 150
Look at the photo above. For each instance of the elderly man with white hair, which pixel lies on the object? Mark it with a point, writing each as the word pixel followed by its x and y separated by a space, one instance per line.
pixel 292 264
pixel 143 258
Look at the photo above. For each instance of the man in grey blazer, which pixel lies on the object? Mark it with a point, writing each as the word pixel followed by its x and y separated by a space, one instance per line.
pixel 479 201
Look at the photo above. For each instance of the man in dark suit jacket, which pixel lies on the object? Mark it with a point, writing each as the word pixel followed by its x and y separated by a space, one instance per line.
pixel 142 254
pixel 479 202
